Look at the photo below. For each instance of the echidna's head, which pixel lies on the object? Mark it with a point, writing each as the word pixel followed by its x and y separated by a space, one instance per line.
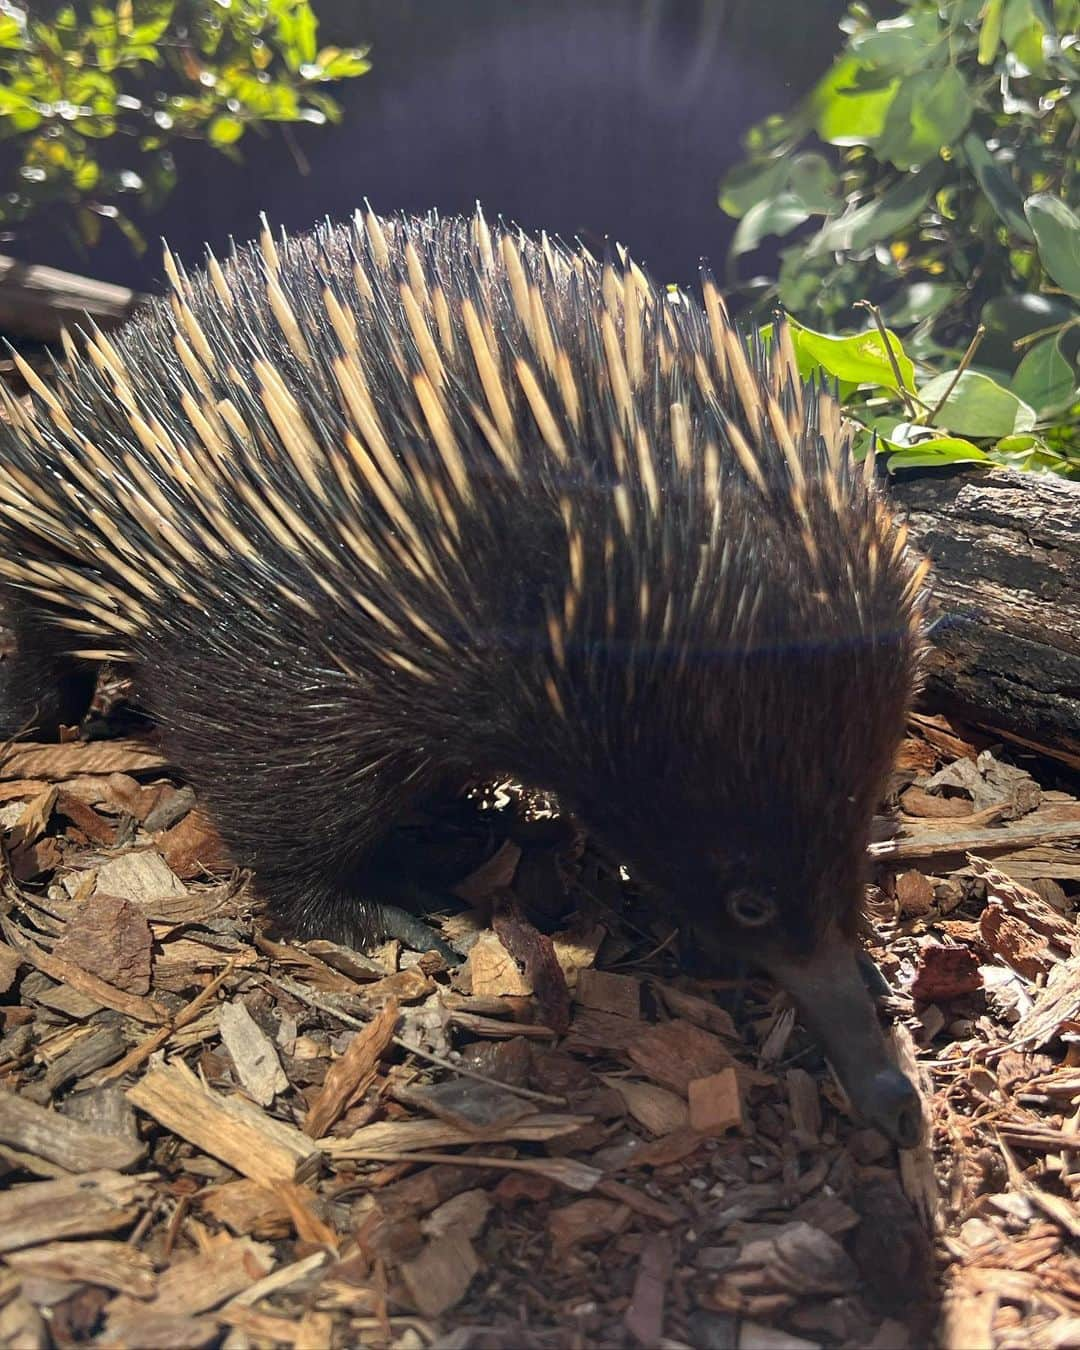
pixel 732 745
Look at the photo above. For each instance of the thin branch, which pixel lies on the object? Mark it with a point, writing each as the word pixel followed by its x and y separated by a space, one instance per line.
pixel 880 322
pixel 965 361
pixel 1029 338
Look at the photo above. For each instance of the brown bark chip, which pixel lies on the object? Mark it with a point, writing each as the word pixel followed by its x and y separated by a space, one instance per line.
pixel 945 973
pixel 439 1277
pixel 609 993
pixel 348 1077
pixel 536 954
pixel 715 1104
pixel 194 847
pixel 914 893
pixel 674 1053
pixel 644 1318
pixel 586 1221
pixel 109 938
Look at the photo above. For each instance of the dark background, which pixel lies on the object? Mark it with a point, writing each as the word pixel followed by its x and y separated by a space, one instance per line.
pixel 582 117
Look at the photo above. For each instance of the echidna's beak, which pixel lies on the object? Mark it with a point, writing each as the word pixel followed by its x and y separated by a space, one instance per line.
pixel 831 992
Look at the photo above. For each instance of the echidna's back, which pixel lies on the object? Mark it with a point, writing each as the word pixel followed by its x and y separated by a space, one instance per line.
pixel 435 423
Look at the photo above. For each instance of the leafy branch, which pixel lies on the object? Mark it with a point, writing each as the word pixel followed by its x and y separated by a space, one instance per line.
pixel 95 97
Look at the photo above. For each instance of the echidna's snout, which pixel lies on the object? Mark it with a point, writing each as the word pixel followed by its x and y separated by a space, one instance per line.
pixel 830 989
pixel 891 1103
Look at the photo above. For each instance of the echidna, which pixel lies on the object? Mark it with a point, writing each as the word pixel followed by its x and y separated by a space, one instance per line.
pixel 407 499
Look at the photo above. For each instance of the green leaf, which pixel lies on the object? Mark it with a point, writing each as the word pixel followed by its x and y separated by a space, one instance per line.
pixel 1039 458
pixel 130 231
pixel 1023 33
pixel 344 65
pixel 297 28
pixel 748 184
pixel 152 20
pixel 935 452
pixel 883 218
pixel 918 301
pixel 1057 233
pixel 224 131
pixel 931 110
pixel 843 114
pixel 976 405
pixel 1003 194
pixel 1017 16
pixel 89 225
pixel 799 282
pixel 813 180
pixel 861 358
pixel 899 45
pixel 990 32
pixel 11 32
pixel 775 215
pixel 86 175
pixel 1044 378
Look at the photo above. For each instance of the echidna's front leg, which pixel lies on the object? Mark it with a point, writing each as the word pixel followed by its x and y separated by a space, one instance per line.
pixel 41 687
pixel 283 764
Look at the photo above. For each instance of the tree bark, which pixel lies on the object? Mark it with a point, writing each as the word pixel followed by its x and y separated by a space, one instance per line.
pixel 1006 642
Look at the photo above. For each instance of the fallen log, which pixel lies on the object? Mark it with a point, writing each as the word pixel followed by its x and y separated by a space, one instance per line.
pixel 1006 638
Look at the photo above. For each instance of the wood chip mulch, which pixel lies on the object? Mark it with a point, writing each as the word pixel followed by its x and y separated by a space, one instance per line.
pixel 210 1135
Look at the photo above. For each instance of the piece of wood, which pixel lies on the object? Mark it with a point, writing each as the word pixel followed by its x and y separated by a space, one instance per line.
pixel 253 1055
pixel 914 893
pixel 586 1221
pixel 230 1128
pixel 644 1318
pixel 27 759
pixel 715 1105
pixel 1006 553
pixel 109 938
pixel 102 1045
pixel 67 1143
pixel 464 1213
pixel 672 1053
pixel 110 1265
pixel 36 302
pixel 944 843
pixel 492 971
pixel 392 1137
pixel 655 1108
pixel 192 1286
pixel 438 1278
pixel 248 1209
pixel 82 982
pixel 467 1104
pixel 606 992
pixel 10 961
pixel 349 1076
pixel 81 1206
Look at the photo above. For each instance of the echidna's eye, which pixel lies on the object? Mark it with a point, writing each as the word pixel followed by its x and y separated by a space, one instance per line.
pixel 750 909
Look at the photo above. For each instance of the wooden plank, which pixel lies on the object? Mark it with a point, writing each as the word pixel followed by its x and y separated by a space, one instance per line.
pixel 36 302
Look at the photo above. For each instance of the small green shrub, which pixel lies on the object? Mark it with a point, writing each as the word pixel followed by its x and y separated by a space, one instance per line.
pixel 950 198
pixel 93 98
